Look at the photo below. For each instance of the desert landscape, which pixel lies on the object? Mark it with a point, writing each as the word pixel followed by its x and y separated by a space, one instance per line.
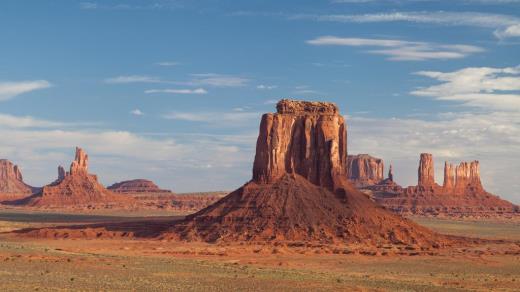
pixel 302 213
pixel 336 145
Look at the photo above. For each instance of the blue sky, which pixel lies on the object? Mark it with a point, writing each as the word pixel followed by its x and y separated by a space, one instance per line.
pixel 173 90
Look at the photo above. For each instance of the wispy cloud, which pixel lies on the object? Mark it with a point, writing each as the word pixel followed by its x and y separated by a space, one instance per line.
pixel 228 118
pixel 266 87
pixel 177 91
pixel 10 121
pixel 399 50
pixel 9 90
pixel 218 80
pixel 503 25
pixel 483 87
pixel 167 64
pixel 132 79
pixel 137 112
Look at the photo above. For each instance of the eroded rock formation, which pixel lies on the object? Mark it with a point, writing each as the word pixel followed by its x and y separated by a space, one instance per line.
pixel 11 180
pixel 299 190
pixel 426 171
pixel 75 189
pixel 461 194
pixel 364 170
pixel 137 186
pixel 304 138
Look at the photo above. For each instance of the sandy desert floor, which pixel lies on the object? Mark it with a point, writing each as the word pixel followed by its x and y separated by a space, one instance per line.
pixel 153 265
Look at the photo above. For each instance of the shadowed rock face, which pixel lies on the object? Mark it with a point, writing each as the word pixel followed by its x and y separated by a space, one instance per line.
pixel 11 180
pixel 363 169
pixel 449 177
pixel 304 138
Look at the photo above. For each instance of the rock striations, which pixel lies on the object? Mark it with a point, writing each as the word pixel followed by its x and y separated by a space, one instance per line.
pixel 11 181
pixel 299 190
pixel 136 186
pixel 76 189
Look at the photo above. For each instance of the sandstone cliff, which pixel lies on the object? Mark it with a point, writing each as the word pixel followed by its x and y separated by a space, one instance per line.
pixel 304 138
pixel 11 180
pixel 426 174
pixel 364 170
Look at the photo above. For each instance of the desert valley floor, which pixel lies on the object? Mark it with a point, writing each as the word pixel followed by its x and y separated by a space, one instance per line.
pixel 140 264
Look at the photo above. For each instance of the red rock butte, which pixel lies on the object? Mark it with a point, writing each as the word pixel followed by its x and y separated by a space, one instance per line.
pixel 11 181
pixel 76 188
pixel 461 194
pixel 299 190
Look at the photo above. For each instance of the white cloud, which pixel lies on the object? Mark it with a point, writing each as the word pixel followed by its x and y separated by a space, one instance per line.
pixel 218 80
pixel 132 79
pixel 504 25
pixel 9 90
pixel 10 121
pixel 236 118
pixel 88 5
pixel 483 87
pixel 399 50
pixel 266 87
pixel 137 112
pixel 167 64
pixel 177 91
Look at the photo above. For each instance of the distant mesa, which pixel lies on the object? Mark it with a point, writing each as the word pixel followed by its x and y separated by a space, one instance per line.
pixel 76 188
pixel 460 195
pixel 364 170
pixel 11 181
pixel 136 186
pixel 299 190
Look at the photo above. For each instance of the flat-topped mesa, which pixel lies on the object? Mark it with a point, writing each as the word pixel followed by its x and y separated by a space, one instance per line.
pixel 304 138
pixel 80 163
pixel 297 107
pixel 467 177
pixel 363 169
pixel 426 170
pixel 449 176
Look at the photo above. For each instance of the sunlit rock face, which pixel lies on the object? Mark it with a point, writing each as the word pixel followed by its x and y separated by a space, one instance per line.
pixel 304 138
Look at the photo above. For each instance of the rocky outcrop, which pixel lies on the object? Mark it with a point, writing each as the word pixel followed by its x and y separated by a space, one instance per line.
pixel 299 191
pixel 364 170
pixel 391 173
pixel 76 189
pixel 80 164
pixel 461 194
pixel 136 186
pixel 467 178
pixel 61 173
pixel 11 180
pixel 449 177
pixel 426 176
pixel 304 138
